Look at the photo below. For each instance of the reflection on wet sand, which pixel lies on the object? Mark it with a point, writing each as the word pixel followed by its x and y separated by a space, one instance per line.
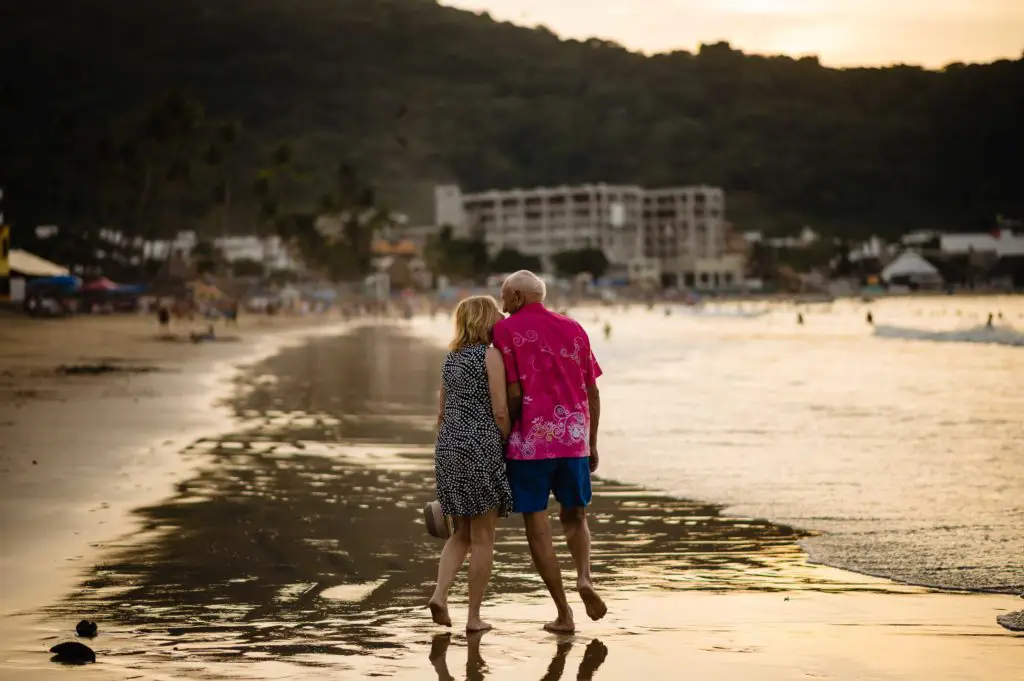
pixel 298 538
pixel 476 668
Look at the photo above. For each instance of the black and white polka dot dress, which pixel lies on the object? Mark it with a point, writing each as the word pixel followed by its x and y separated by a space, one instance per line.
pixel 469 458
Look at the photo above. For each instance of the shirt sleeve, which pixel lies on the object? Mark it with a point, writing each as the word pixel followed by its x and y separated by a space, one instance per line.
pixel 591 368
pixel 503 342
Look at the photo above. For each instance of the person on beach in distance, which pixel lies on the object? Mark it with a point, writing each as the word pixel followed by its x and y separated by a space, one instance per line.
pixel 469 461
pixel 555 407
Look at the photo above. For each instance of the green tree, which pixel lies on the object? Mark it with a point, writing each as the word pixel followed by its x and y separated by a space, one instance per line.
pixel 511 260
pixel 221 157
pixel 489 104
pixel 456 258
pixel 337 240
pixel 572 263
pixel 247 267
pixel 208 258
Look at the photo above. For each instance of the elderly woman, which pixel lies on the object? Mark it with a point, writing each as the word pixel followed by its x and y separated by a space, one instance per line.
pixel 472 486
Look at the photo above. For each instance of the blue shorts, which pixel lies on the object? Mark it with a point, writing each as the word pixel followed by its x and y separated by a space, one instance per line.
pixel 533 481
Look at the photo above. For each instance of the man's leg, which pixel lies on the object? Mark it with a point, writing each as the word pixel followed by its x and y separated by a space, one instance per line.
pixel 572 490
pixel 531 487
pixel 542 549
pixel 577 536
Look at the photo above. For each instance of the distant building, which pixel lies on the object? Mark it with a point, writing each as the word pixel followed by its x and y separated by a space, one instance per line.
pixel 675 235
pixel 1001 243
pixel 416 234
pixel 806 238
pixel 271 251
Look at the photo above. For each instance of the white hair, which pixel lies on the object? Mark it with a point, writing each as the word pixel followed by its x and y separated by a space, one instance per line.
pixel 526 282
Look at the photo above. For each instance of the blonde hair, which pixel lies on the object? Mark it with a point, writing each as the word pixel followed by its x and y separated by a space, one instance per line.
pixel 474 318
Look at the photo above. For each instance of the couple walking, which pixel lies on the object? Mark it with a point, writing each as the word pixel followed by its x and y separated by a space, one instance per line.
pixel 517 421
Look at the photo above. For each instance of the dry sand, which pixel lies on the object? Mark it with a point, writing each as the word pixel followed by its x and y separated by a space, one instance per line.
pixel 287 546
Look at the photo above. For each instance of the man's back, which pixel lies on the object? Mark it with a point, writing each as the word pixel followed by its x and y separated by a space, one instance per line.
pixel 549 356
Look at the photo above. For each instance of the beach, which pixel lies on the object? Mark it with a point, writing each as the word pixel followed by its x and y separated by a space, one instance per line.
pixel 264 523
pixel 95 411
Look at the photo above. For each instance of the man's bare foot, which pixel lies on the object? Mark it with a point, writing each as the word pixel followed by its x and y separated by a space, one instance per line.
pixel 478 626
pixel 592 660
pixel 562 625
pixel 439 613
pixel 596 609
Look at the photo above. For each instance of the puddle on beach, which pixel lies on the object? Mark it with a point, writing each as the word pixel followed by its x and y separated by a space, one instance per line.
pixel 297 547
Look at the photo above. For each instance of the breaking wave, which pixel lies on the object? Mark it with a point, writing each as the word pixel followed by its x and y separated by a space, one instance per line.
pixel 998 335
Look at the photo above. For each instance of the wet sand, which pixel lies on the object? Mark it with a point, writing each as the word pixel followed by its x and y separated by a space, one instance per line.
pixel 290 546
pixel 83 445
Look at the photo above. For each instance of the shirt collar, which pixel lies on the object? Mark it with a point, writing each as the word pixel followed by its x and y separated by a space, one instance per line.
pixel 531 307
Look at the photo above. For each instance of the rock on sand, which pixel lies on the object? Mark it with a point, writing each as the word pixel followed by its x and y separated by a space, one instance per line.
pixel 1014 621
pixel 72 652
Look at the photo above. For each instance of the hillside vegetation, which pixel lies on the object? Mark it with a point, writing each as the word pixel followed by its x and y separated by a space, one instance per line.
pixel 409 93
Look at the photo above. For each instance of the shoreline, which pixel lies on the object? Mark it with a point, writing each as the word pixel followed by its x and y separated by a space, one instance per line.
pixel 131 423
pixel 326 572
pixel 431 331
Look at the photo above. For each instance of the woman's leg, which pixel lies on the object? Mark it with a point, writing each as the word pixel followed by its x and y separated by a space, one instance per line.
pixel 481 530
pixel 453 555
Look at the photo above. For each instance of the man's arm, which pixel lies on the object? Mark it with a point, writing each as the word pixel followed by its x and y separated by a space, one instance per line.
pixel 594 402
pixel 515 401
pixel 591 372
pixel 503 342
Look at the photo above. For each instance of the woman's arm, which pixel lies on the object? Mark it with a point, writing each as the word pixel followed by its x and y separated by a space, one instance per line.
pixel 496 384
pixel 440 405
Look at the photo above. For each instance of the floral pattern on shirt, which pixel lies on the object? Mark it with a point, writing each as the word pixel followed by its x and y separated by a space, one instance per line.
pixel 549 356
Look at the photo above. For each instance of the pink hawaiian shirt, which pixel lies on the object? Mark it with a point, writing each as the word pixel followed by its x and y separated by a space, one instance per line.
pixel 549 356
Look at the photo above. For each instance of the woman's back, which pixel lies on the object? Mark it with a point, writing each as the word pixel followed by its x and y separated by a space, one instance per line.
pixel 467 398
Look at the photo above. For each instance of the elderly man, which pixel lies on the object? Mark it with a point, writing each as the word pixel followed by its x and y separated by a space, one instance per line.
pixel 555 405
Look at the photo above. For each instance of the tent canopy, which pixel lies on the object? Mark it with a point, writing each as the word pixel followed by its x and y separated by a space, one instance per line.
pixel 911 265
pixel 101 284
pixel 25 264
pixel 63 283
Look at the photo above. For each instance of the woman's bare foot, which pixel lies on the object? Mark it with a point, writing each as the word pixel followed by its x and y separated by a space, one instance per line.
pixel 477 625
pixel 596 609
pixel 562 625
pixel 439 613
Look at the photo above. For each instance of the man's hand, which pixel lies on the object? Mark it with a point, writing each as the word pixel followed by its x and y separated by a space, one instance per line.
pixel 594 458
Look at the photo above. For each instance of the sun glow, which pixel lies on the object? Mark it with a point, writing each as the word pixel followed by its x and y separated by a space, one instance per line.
pixel 768 6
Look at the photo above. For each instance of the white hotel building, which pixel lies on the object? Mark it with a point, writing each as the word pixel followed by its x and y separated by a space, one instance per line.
pixel 674 236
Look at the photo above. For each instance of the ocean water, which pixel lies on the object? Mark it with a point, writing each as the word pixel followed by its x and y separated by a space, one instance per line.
pixel 900 445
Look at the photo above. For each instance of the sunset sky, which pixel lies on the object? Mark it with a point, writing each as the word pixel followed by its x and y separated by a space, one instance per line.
pixel 931 33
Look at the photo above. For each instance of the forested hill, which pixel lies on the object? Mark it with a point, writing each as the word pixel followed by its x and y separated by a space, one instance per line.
pixel 412 91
